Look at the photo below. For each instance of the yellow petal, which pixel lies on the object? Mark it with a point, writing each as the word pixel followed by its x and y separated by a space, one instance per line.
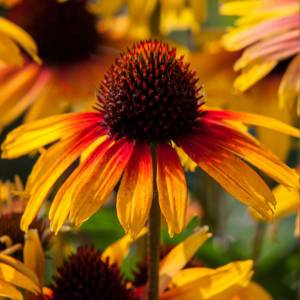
pixel 9 51
pixel 102 172
pixel 61 205
pixel 50 166
pixel 221 283
pixel 178 257
pixel 290 84
pixel 8 291
pixel 34 257
pixel 235 176
pixel 253 291
pixel 12 276
pixel 18 85
pixel 20 267
pixel 256 120
pixel 34 135
pixel 117 251
pixel 287 202
pixel 172 189
pixel 134 196
pixel 20 36
pixel 253 73
pixel 25 100
pixel 186 161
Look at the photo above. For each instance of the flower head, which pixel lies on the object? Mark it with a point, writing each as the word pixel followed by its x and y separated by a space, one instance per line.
pixel 149 95
pixel 74 53
pixel 120 138
pixel 84 275
pixel 10 232
pixel 269 33
pixel 69 35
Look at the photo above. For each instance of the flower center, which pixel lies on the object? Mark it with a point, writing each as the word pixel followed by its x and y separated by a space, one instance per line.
pixel 85 276
pixel 149 94
pixel 64 32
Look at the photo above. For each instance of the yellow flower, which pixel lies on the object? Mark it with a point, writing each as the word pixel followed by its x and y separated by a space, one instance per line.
pixel 268 31
pixel 173 15
pixel 133 116
pixel 74 52
pixel 12 37
pixel 15 274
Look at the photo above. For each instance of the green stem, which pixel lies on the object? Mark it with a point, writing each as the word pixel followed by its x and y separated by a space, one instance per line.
pixel 153 251
pixel 258 240
pixel 154 241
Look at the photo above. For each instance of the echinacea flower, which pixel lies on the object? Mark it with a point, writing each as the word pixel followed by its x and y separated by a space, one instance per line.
pixel 89 274
pixel 149 101
pixel 12 38
pixel 181 279
pixel 269 32
pixel 74 54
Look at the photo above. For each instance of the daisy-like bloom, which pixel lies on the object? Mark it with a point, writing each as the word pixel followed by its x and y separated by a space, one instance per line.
pixel 73 55
pixel 88 274
pixel 171 15
pixel 12 38
pixel 149 101
pixel 269 32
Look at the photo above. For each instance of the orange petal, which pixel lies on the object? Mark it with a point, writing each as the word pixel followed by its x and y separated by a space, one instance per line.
pixel 250 150
pixel 253 291
pixel 8 291
pixel 172 189
pixel 136 190
pixel 235 176
pixel 34 257
pixel 61 204
pixel 49 167
pixel 34 135
pixel 98 180
pixel 117 251
pixel 208 284
pixel 179 256
pixel 19 36
pixel 252 119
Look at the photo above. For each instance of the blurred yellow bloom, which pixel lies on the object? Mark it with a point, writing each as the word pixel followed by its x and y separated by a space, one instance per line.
pixel 15 274
pixel 269 32
pixel 12 37
pixel 214 67
pixel 11 196
pixel 231 281
pixel 171 15
pixel 9 3
pixel 74 59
